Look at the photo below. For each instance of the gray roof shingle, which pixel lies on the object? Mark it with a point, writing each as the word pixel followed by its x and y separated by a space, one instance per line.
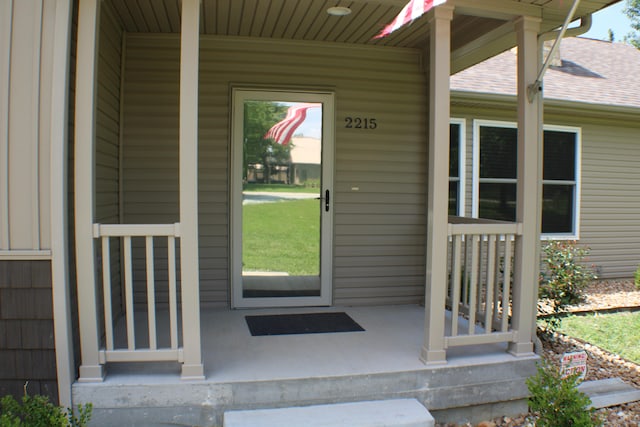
pixel 592 71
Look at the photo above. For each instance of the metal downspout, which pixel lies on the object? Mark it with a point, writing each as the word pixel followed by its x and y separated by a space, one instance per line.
pixel 536 88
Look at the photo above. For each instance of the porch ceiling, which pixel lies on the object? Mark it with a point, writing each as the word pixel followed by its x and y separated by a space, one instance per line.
pixel 308 20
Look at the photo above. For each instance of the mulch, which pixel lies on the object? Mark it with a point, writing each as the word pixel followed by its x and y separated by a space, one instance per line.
pixel 601 295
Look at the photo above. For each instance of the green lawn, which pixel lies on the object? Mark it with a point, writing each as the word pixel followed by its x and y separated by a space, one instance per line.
pixel 282 236
pixel 280 188
pixel 618 333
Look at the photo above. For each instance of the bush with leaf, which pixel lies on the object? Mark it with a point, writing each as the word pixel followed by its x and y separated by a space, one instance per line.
pixel 37 411
pixel 564 277
pixel 636 278
pixel 556 401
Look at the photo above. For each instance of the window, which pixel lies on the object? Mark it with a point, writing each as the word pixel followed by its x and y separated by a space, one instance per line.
pixel 495 153
pixel 456 167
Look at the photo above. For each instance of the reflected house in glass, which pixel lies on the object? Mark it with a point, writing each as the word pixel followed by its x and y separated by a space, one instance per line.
pixel 305 160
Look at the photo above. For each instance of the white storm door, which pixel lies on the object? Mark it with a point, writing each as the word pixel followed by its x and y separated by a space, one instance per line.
pixel 282 198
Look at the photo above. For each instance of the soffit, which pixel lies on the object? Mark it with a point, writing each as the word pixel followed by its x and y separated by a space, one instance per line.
pixel 308 19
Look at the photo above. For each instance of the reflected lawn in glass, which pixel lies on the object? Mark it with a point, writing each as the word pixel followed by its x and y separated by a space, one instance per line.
pixel 282 237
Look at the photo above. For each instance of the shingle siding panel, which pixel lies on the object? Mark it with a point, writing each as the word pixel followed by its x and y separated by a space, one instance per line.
pixel 11 329
pixel 37 334
pixel 26 329
pixel 26 304
pixel 13 387
pixel 41 274
pixel 7 365
pixel 25 274
pixel 37 364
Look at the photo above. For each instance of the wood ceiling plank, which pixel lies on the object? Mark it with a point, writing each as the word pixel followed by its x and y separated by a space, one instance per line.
pixel 221 12
pixel 305 18
pixel 122 11
pixel 270 21
pixel 173 15
pixel 262 9
pixel 247 17
pixel 302 12
pixel 149 15
pixel 137 15
pixel 162 16
pixel 236 9
pixel 210 18
pixel 284 18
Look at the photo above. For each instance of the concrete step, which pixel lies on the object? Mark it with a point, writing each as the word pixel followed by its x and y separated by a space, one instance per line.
pixel 609 392
pixel 379 413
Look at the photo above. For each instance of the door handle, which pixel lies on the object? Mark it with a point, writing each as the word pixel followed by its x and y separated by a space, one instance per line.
pixel 327 200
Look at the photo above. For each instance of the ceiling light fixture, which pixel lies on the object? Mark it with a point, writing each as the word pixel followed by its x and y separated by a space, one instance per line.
pixel 338 11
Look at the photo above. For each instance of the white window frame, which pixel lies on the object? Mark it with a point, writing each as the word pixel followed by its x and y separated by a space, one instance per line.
pixel 475 187
pixel 462 123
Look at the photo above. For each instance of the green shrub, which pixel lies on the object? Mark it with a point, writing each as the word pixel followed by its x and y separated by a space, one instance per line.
pixel 557 402
pixel 563 278
pixel 37 411
pixel 636 278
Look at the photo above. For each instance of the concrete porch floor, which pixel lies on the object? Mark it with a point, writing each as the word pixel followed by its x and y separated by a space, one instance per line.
pixel 245 372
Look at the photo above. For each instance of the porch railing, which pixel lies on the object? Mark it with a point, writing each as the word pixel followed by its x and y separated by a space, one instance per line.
pixel 480 260
pixel 145 346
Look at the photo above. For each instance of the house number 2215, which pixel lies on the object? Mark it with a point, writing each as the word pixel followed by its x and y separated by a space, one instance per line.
pixel 360 123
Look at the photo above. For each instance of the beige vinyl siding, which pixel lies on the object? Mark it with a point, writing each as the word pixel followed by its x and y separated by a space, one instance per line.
pixel 26 37
pixel 380 175
pixel 108 120
pixel 107 169
pixel 150 149
pixel 610 212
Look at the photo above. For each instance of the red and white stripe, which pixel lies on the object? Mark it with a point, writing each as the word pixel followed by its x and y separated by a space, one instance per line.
pixel 282 131
pixel 413 10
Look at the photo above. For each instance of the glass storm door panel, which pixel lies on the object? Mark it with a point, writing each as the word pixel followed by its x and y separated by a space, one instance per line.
pixel 282 149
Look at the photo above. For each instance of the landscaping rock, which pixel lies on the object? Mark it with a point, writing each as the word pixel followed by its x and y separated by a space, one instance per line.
pixel 601 295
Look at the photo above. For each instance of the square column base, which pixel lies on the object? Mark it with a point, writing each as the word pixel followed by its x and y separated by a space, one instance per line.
pixel 433 357
pixel 192 372
pixel 91 374
pixel 521 349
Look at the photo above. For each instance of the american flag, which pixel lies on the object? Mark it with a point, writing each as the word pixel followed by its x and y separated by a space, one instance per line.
pixel 413 10
pixel 282 131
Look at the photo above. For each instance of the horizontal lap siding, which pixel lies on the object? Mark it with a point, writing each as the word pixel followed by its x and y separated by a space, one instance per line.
pixel 610 214
pixel 107 154
pixel 380 175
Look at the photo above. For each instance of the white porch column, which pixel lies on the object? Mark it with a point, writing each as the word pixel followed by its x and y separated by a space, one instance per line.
pixel 529 189
pixel 192 368
pixel 59 207
pixel 433 350
pixel 84 164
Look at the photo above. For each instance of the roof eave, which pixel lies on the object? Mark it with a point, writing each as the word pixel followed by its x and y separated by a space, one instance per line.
pixel 553 106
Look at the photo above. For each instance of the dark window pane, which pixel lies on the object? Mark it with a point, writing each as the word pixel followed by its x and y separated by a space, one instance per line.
pixel 453 198
pixel 454 146
pixel 557 209
pixel 498 152
pixel 497 201
pixel 559 155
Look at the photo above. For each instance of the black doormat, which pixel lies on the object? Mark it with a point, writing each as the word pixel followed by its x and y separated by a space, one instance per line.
pixel 306 323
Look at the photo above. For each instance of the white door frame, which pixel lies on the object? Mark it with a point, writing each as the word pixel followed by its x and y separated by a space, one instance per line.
pixel 239 95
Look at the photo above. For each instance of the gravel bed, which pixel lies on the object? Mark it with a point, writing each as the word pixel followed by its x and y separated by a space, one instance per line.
pixel 605 294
